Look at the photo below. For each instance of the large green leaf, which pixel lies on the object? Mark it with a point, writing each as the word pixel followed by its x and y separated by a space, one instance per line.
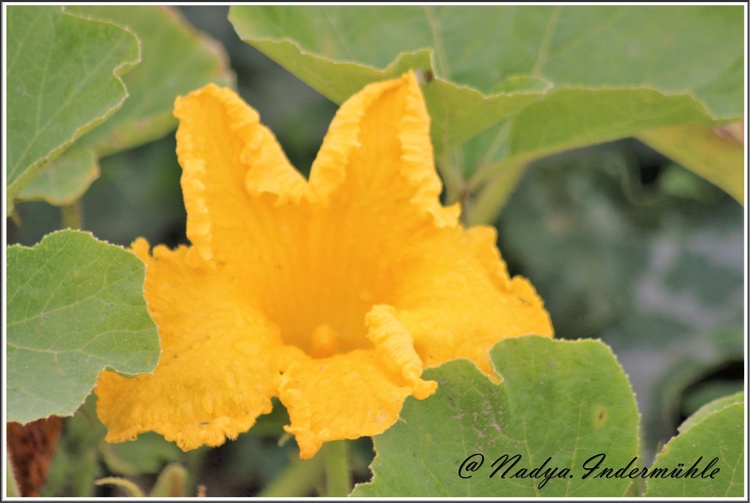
pixel 322 57
pixel 567 46
pixel 718 159
pixel 562 407
pixel 75 307
pixel 587 116
pixel 550 77
pixel 175 60
pixel 63 80
pixel 710 452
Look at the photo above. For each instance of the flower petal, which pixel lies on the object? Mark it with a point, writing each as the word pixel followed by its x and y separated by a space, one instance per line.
pixel 355 394
pixel 395 346
pixel 375 188
pixel 229 160
pixel 457 301
pixel 345 396
pixel 376 161
pixel 218 363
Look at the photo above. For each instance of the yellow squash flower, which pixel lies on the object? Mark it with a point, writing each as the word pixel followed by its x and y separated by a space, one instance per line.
pixel 331 294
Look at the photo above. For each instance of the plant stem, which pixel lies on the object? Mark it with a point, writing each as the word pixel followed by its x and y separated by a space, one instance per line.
pixel 465 217
pixel 449 167
pixel 491 198
pixel 72 217
pixel 296 480
pixel 194 464
pixel 125 484
pixel 338 474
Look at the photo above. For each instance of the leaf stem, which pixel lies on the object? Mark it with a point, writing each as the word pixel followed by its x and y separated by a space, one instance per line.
pixel 338 474
pixel 123 483
pixel 492 198
pixel 456 188
pixel 10 477
pixel 72 216
pixel 451 180
pixel 296 480
pixel 194 463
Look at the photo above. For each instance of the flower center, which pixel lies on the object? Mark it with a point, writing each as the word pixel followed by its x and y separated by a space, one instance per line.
pixel 324 342
pixel 324 323
pixel 324 313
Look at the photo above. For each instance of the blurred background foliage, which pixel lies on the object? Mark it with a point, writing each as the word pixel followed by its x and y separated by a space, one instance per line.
pixel 621 243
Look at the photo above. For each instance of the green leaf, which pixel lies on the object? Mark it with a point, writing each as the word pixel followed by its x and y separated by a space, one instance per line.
pixel 176 59
pixel 571 117
pixel 63 80
pixel 590 46
pixel 75 307
pixel 712 441
pixel 65 180
pixel 146 454
pixel 295 38
pixel 710 408
pixel 490 63
pixel 718 159
pixel 561 406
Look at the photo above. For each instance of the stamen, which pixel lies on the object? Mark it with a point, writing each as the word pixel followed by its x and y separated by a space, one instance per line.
pixel 324 342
